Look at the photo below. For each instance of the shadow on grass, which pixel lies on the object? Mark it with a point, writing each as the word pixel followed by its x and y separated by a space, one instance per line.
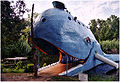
pixel 64 78
pixel 101 78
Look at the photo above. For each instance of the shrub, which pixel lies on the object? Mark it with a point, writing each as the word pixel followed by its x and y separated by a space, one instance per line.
pixel 17 71
pixel 6 70
pixel 110 45
pixel 29 68
pixel 9 70
pixel 19 65
pixel 101 78
pixel 44 64
pixel 2 67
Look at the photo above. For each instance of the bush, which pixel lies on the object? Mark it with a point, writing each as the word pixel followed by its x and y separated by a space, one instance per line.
pixel 44 64
pixel 29 68
pixel 101 78
pixel 110 45
pixel 48 59
pixel 64 78
pixel 19 65
pixel 6 68
pixel 2 67
pixel 9 70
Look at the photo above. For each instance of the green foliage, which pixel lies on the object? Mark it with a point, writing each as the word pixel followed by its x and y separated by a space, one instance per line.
pixel 23 42
pixel 64 78
pixel 11 25
pixel 29 68
pixel 2 67
pixel 9 70
pixel 101 78
pixel 44 64
pixel 35 15
pixel 12 68
pixel 109 45
pixel 105 29
pixel 47 59
pixel 12 22
pixel 19 48
pixel 19 65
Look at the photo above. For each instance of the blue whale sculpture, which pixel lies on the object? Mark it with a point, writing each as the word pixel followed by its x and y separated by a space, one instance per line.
pixel 56 31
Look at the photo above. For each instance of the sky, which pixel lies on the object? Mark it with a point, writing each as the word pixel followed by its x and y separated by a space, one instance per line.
pixel 84 10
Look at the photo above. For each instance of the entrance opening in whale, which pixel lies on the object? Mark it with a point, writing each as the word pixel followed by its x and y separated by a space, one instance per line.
pixel 54 53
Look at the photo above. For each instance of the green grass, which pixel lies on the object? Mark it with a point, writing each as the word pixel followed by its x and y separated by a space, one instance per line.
pixel 108 45
pixel 8 70
pixel 101 78
pixel 92 78
pixel 64 78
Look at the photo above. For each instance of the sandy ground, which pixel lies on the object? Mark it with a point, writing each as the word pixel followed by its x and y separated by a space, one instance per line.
pixel 21 77
pixel 43 75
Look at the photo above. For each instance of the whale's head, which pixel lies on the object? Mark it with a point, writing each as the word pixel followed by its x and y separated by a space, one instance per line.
pixel 64 31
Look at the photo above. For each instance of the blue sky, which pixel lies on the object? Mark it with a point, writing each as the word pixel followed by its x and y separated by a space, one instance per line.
pixel 84 10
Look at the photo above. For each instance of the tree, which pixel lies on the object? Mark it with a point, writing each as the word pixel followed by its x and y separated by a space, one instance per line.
pixel 93 27
pixel 12 21
pixel 35 15
pixel 105 29
pixel 11 25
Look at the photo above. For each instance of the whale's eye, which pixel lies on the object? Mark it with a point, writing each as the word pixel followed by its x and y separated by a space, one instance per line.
pixel 88 40
pixel 69 18
pixel 43 19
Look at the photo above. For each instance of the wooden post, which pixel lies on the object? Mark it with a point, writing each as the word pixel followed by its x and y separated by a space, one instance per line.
pixel 33 48
pixel 38 60
pixel 66 65
pixel 32 34
pixel 35 62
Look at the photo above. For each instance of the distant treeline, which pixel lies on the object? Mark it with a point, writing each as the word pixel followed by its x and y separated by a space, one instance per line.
pixel 105 29
pixel 107 33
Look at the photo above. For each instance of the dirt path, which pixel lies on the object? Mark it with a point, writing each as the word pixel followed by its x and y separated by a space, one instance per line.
pixel 24 77
pixel 43 75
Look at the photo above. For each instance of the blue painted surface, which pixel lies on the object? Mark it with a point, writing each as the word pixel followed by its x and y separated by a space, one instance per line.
pixel 66 34
pixel 70 36
pixel 93 62
pixel 101 69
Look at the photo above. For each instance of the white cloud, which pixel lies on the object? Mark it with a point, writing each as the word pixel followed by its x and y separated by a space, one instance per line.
pixel 85 10
pixel 88 10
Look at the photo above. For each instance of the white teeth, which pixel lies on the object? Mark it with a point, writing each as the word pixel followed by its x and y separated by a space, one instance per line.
pixel 50 65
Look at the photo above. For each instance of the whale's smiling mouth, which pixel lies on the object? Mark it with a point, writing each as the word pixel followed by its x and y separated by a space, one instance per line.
pixel 50 49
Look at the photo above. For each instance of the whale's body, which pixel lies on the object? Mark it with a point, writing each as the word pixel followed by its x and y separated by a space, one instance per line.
pixel 67 34
pixel 56 30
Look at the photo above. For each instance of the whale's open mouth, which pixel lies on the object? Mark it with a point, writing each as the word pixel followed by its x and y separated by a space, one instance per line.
pixel 50 49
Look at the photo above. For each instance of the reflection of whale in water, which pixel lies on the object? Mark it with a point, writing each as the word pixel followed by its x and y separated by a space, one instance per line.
pixel 58 32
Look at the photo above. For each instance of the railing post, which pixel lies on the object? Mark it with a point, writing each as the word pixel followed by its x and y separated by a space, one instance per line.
pixel 66 65
pixel 38 60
